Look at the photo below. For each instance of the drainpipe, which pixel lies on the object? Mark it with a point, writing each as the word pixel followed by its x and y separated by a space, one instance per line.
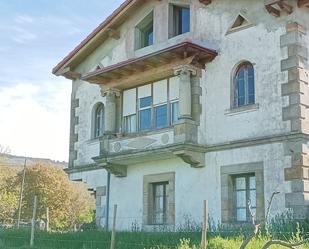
pixel 107 200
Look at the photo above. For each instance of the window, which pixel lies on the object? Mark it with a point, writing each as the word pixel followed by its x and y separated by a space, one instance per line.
pixel 244 93
pixel 99 120
pixel 144 32
pixel 152 106
pixel 181 20
pixel 130 123
pixel 145 113
pixel 174 112
pixel 161 116
pixel 159 199
pixel 245 194
pixel 159 203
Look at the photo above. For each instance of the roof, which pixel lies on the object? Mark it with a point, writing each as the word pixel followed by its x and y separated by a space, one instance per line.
pixel 124 73
pixel 90 42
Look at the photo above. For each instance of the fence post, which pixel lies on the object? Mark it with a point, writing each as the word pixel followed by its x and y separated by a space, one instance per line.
pixel 47 219
pixel 114 228
pixel 33 220
pixel 21 194
pixel 205 226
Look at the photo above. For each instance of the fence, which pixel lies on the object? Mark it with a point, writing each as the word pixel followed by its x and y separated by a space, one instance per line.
pixel 30 236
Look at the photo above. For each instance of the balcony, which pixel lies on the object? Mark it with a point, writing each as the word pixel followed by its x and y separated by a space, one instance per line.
pixel 116 154
pixel 184 63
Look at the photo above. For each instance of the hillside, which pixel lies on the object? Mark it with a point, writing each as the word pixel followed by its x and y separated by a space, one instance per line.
pixel 18 161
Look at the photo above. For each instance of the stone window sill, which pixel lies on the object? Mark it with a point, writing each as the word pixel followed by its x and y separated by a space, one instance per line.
pixel 242 109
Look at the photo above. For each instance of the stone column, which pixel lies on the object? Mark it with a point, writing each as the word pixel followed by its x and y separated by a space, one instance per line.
pixel 110 110
pixel 185 99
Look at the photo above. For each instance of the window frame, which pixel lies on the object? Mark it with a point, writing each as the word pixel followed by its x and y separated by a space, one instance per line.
pixel 245 65
pixel 98 121
pixel 141 109
pixel 175 21
pixel 168 121
pixel 247 190
pixel 126 122
pixel 175 101
pixel 165 202
pixel 153 107
pixel 141 31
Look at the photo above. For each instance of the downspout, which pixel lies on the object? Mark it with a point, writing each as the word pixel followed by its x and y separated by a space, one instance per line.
pixel 107 200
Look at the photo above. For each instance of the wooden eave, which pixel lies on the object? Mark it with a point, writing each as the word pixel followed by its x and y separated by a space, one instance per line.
pixel 108 28
pixel 151 67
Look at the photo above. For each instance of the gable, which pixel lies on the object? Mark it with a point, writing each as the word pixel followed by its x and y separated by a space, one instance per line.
pixel 239 23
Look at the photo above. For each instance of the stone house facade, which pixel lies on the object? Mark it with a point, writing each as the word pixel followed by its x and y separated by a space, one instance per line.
pixel 179 101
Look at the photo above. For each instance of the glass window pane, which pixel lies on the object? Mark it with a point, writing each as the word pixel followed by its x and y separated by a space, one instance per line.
pixel 149 37
pixel 241 199
pixel 159 190
pixel 240 87
pixel 161 116
pixel 130 124
pixel 241 214
pixel 175 112
pixel 253 198
pixel 145 119
pixel 251 86
pixel 185 20
pixel 252 182
pixel 145 102
pixel 251 98
pixel 99 121
pixel 240 183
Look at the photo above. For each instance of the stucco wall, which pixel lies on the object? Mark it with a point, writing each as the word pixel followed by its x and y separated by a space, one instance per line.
pixel 192 186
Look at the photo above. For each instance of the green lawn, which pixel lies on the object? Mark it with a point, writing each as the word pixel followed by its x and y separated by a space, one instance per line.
pixel 12 239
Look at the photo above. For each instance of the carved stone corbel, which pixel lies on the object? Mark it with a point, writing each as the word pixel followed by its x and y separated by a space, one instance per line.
pixel 275 7
pixel 303 3
pixel 116 169
pixel 205 2
pixel 195 159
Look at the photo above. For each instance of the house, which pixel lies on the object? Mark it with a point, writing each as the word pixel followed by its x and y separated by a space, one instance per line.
pixel 179 101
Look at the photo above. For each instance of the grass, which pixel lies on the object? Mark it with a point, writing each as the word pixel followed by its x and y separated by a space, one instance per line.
pixel 13 239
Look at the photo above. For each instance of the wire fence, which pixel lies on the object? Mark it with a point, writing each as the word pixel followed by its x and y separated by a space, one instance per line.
pixel 11 238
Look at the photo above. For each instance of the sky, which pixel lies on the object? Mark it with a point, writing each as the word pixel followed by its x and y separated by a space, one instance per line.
pixel 34 104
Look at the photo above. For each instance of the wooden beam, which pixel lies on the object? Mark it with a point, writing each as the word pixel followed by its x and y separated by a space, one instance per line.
pixel 145 76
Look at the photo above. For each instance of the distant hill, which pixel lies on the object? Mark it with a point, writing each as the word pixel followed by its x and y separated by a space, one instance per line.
pixel 18 161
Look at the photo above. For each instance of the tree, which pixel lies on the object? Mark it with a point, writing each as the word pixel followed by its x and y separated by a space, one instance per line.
pixel 66 201
pixel 8 193
pixel 82 205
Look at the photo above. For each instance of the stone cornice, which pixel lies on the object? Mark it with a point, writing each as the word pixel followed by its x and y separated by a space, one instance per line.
pixel 204 148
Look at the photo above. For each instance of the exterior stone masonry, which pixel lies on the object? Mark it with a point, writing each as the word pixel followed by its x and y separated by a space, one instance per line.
pixel 297 90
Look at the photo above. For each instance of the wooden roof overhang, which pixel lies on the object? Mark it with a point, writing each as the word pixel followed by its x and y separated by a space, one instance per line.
pixel 108 28
pixel 153 66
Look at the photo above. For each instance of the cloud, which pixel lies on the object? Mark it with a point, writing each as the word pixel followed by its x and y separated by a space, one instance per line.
pixel 22 19
pixel 34 119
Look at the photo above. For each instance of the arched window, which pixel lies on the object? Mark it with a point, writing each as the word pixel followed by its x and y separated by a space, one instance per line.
pixel 99 120
pixel 244 93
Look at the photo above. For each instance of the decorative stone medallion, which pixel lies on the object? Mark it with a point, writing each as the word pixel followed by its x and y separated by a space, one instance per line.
pixel 117 147
pixel 165 138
